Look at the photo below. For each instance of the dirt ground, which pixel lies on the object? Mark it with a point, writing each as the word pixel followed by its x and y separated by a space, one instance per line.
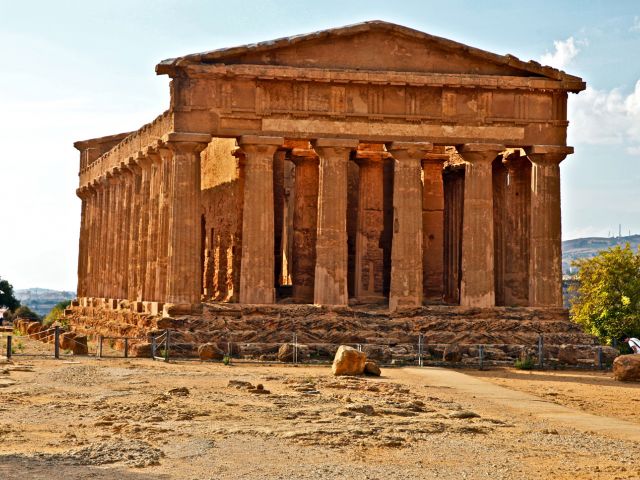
pixel 138 419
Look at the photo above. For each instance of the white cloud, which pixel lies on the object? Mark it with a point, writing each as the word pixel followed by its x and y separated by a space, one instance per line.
pixel 635 26
pixel 601 117
pixel 565 52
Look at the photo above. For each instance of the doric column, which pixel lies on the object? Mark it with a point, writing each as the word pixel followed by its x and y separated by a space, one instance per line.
pixel 305 218
pixel 134 230
pixel 106 277
pixel 153 230
pixel 477 287
pixel 433 224
pixel 91 224
pixel 545 263
pixel 500 234
pixel 84 195
pixel 124 229
pixel 369 261
pixel 330 282
pixel 453 180
pixel 164 201
pixel 517 221
pixel 144 162
pixel 257 264
pixel 184 269
pixel 99 247
pixel 406 249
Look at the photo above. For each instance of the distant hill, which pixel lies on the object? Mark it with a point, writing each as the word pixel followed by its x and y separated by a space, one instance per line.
pixel 590 246
pixel 42 300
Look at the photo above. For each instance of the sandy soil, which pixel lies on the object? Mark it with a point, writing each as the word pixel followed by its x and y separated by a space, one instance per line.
pixel 139 419
pixel 593 392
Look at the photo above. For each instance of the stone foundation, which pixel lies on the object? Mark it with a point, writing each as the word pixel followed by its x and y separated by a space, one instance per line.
pixel 258 331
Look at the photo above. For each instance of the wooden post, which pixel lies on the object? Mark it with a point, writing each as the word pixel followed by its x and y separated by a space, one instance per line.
pixel 100 346
pixel 56 342
pixel 126 347
pixel 9 352
pixel 153 347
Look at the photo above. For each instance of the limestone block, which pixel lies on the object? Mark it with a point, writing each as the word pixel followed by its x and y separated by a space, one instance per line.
pixel 372 368
pixel 568 355
pixel 286 352
pixel 626 368
pixel 452 353
pixel 80 346
pixel 348 361
pixel 210 351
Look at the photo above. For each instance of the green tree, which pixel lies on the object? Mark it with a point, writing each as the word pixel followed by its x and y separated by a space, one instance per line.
pixel 607 300
pixel 7 299
pixel 56 314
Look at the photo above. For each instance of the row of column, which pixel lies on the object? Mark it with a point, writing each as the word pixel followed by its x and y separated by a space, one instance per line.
pixel 320 222
pixel 140 228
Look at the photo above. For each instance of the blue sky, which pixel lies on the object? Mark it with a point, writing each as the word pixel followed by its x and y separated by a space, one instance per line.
pixel 71 70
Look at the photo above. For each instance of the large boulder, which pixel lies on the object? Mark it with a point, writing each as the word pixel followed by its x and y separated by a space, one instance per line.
pixel 626 368
pixel 348 361
pixel 371 368
pixel 452 353
pixel 210 351
pixel 568 355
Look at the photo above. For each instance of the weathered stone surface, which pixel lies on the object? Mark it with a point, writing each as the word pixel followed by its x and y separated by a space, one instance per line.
pixel 210 351
pixel 626 368
pixel 79 345
pixel 348 361
pixel 452 353
pixel 568 355
pixel 67 340
pixel 371 368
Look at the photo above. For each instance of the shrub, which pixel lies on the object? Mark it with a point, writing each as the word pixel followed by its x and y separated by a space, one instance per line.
pixel 26 313
pixel 56 314
pixel 524 363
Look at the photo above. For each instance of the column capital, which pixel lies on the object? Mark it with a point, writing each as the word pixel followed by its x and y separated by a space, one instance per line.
pixel 299 158
pixel 113 177
pixel 180 148
pixel 83 192
pixel 409 150
pixel 548 153
pixel 479 152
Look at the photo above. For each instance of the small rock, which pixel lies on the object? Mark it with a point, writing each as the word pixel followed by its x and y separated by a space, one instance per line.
pixel 372 368
pixel 179 392
pixel 452 353
pixel 210 351
pixel 464 414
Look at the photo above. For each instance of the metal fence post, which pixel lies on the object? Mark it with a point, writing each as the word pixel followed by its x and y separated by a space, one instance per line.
pixel 126 347
pixel 420 364
pixel 295 348
pixel 9 348
pixel 166 346
pixel 56 342
pixel 481 354
pixel 153 347
pixel 100 346
pixel 540 352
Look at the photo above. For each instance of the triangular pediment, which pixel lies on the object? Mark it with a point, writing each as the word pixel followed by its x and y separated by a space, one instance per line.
pixel 372 46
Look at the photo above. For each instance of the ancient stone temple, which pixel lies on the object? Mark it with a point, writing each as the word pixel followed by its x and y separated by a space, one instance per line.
pixel 368 165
